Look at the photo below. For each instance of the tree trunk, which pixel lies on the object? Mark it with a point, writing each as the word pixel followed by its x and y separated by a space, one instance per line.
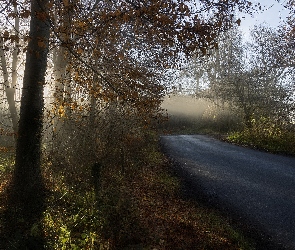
pixel 62 59
pixel 14 114
pixel 28 151
pixel 9 90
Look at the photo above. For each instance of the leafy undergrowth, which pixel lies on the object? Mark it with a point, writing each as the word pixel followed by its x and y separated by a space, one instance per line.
pixel 6 172
pixel 6 169
pixel 266 135
pixel 135 206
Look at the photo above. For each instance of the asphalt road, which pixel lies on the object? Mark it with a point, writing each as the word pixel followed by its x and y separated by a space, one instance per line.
pixel 256 188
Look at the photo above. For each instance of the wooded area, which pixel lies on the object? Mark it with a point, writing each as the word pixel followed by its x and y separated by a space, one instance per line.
pixel 249 84
pixel 82 83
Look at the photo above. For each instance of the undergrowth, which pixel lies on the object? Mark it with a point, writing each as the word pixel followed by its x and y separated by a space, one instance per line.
pixel 135 207
pixel 266 135
pixel 133 204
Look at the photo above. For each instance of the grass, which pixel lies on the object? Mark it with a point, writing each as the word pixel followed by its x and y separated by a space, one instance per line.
pixel 135 207
pixel 266 135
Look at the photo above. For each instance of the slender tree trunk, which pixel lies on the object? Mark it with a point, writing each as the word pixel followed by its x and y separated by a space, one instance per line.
pixel 93 99
pixel 28 151
pixel 14 114
pixel 62 59
pixel 9 90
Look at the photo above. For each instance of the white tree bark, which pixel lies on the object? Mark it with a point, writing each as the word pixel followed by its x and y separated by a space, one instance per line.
pixel 10 87
pixel 9 90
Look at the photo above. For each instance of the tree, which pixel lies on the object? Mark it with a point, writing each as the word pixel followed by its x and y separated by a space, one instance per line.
pixel 119 51
pixel 226 76
pixel 121 45
pixel 27 192
pixel 28 150
pixel 10 87
pixel 252 77
pixel 272 72
pixel 117 35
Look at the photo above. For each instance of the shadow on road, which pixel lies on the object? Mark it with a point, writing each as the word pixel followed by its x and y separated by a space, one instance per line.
pixel 200 185
pixel 193 191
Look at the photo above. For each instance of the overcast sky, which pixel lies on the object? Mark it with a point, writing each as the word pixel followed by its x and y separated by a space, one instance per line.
pixel 273 13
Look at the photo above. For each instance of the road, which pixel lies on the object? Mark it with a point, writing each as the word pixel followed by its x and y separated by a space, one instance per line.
pixel 256 187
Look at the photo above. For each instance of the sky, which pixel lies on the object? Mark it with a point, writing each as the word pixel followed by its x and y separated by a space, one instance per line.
pixel 273 14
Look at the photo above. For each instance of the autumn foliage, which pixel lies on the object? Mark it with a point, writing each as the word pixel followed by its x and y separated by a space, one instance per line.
pixel 93 113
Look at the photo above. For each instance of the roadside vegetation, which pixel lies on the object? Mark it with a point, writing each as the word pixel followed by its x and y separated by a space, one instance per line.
pixel 263 135
pixel 107 205
pixel 268 136
pixel 127 197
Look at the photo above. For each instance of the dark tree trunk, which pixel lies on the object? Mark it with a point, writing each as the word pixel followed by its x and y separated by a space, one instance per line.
pixel 28 150
pixel 26 194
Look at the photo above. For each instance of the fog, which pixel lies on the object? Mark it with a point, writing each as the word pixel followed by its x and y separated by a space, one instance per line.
pixel 185 106
pixel 190 115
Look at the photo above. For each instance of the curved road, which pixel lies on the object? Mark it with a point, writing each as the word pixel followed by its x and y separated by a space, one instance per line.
pixel 256 187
